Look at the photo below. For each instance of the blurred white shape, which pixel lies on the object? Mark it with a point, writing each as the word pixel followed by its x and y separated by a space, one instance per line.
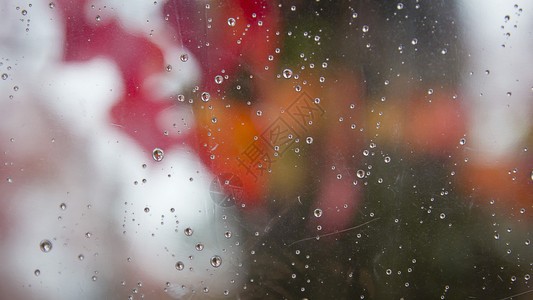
pixel 499 40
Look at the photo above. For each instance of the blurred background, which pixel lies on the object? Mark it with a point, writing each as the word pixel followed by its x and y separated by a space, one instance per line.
pixel 182 149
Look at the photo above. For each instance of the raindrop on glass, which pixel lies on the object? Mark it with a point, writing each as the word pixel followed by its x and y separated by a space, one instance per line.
pixel 62 206
pixel 4 76
pixel 205 96
pixel 231 22
pixel 188 231
pixel 45 246
pixel 318 213
pixel 462 141
pixel 184 57
pixel 158 154
pixel 169 68
pixel 219 79
pixel 365 28
pixel 360 173
pixel 287 73
pixel 216 261
pixel 180 266
pixel 309 140
pixel 199 247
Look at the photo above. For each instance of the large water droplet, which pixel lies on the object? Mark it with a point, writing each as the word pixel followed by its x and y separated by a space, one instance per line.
pixel 205 96
pixel 287 73
pixel 158 154
pixel 216 261
pixel 46 246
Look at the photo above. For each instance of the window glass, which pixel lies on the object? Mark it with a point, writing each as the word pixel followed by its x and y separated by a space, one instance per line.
pixel 180 149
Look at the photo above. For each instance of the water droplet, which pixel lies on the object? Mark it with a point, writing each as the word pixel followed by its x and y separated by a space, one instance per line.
pixel 199 247
pixel 231 22
pixel 414 41
pixel 180 266
pixel 462 141
pixel 527 277
pixel 388 271
pixel 309 140
pixel 293 8
pixel 4 76
pixel 507 18
pixel 496 236
pixel 360 173
pixel 158 154
pixel 205 96
pixel 146 209
pixel 214 120
pixel 219 79
pixel 227 234
pixel 318 213
pixel 399 6
pixel 169 68
pixel 81 257
pixel 184 57
pixel 387 159
pixel 181 98
pixel 287 73
pixel 365 28
pixel 46 246
pixel 442 216
pixel 216 261
pixel 444 51
pixel 188 231
pixel 94 278
pixel 51 4
pixel 487 72
pixel 430 92
pixel 62 206
pixel 88 235
pixel 98 18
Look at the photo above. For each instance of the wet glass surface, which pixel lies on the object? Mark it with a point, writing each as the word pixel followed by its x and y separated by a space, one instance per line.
pixel 266 150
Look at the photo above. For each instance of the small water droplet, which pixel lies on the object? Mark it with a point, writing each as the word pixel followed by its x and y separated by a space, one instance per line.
pixel 259 113
pixel 462 141
pixel 146 209
pixel 365 28
pixel 88 235
pixel 442 216
pixel 387 159
pixel 318 213
pixel 62 206
pixel 188 231
pixel 430 92
pixel 46 246
pixel 388 271
pixel 205 96
pixel 51 4
pixel 414 41
pixel 158 154
pixel 81 257
pixel 219 79
pixel 231 22
pixel 199 247
pixel 180 266
pixel 227 234
pixel 399 6
pixel 169 68
pixel 184 57
pixel 360 173
pixel 216 261
pixel 37 272
pixel 309 140
pixel 4 76
pixel 98 18
pixel 181 98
